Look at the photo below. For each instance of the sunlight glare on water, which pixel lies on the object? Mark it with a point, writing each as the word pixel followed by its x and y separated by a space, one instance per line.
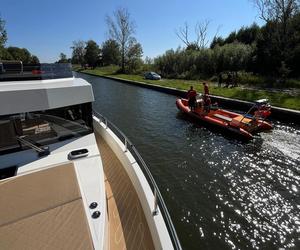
pixel 221 193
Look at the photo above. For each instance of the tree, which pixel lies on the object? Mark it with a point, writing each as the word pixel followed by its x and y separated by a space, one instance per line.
pixel 13 53
pixel 20 54
pixel 4 54
pixel 148 60
pixel 268 50
pixel 134 55
pixel 275 45
pixel 121 29
pixel 248 35
pixel 293 55
pixel 3 33
pixel 231 38
pixel 200 32
pixel 111 52
pixel 62 58
pixel 92 53
pixel 277 10
pixel 280 13
pixel 217 40
pixel 78 52
pixel 34 59
pixel 183 34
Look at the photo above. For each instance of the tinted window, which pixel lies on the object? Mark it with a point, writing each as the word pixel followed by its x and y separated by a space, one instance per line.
pixel 17 71
pixel 44 127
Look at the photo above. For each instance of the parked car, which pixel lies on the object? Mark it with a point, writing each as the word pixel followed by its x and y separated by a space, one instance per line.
pixel 152 76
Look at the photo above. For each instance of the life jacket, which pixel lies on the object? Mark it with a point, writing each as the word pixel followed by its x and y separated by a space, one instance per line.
pixel 207 100
pixel 206 90
pixel 191 94
pixel 262 112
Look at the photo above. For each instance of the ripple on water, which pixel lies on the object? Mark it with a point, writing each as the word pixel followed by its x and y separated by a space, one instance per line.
pixel 221 193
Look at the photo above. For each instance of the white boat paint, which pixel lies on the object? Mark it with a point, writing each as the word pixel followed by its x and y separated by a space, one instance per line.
pixel 27 96
pixel 156 223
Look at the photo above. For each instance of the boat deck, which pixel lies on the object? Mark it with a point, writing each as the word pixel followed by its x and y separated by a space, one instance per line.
pixel 128 228
pixel 43 210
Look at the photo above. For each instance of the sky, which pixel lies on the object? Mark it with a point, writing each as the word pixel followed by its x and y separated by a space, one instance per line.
pixel 48 27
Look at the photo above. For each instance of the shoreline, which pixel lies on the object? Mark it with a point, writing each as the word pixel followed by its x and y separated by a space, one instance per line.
pixel 278 113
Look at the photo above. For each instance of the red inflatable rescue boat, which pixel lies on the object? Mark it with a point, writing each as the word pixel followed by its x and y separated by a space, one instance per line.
pixel 242 125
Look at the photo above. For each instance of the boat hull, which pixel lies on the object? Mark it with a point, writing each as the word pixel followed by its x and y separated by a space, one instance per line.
pixel 227 121
pixel 140 186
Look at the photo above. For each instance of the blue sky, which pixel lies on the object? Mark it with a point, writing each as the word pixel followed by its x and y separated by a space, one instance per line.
pixel 48 27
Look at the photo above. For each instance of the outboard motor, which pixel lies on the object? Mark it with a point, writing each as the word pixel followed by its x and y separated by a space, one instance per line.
pixel 263 109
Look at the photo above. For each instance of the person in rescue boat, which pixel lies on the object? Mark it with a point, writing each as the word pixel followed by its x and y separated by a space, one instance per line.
pixel 206 90
pixel 191 95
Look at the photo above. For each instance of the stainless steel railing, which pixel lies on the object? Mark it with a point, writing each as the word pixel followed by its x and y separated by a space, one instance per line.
pixel 158 199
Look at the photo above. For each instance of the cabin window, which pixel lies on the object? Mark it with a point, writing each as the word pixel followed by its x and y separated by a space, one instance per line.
pixel 44 127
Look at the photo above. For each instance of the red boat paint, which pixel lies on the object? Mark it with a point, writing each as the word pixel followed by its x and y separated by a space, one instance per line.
pixel 233 122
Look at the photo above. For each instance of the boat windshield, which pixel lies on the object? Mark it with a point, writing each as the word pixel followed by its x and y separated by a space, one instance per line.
pixel 44 127
pixel 17 71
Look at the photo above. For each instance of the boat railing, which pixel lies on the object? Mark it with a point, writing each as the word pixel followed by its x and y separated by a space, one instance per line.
pixel 158 199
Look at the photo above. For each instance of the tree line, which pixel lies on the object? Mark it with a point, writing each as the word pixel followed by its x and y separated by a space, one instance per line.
pixel 120 49
pixel 13 53
pixel 270 50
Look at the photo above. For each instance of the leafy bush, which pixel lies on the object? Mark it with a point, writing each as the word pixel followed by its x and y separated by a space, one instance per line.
pixel 197 64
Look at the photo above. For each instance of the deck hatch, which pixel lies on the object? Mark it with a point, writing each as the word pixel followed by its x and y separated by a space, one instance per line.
pixel 39 209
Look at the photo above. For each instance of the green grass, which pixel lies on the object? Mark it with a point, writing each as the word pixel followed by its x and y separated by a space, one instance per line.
pixel 278 99
pixel 249 79
pixel 76 67
pixel 104 71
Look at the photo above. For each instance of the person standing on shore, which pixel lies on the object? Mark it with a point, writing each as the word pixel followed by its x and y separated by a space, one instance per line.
pixel 220 80
pixel 228 80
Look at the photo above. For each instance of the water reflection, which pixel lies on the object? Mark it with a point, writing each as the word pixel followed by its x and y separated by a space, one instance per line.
pixel 256 186
pixel 221 193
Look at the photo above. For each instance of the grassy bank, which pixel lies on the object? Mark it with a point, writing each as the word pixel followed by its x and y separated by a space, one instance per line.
pixel 278 99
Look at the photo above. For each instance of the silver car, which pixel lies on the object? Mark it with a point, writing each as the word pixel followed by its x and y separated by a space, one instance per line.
pixel 152 76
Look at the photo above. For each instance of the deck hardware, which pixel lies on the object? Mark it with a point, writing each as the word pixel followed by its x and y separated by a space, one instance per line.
pixel 155 211
pixel 41 150
pixel 93 205
pixel 96 214
pixel 106 124
pixel 75 154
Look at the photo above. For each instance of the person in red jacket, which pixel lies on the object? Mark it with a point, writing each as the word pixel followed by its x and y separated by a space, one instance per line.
pixel 206 90
pixel 191 95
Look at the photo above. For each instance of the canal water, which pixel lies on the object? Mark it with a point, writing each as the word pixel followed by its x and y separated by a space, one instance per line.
pixel 221 193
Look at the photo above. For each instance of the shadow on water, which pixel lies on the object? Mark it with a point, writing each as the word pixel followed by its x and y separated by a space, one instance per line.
pixel 221 193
